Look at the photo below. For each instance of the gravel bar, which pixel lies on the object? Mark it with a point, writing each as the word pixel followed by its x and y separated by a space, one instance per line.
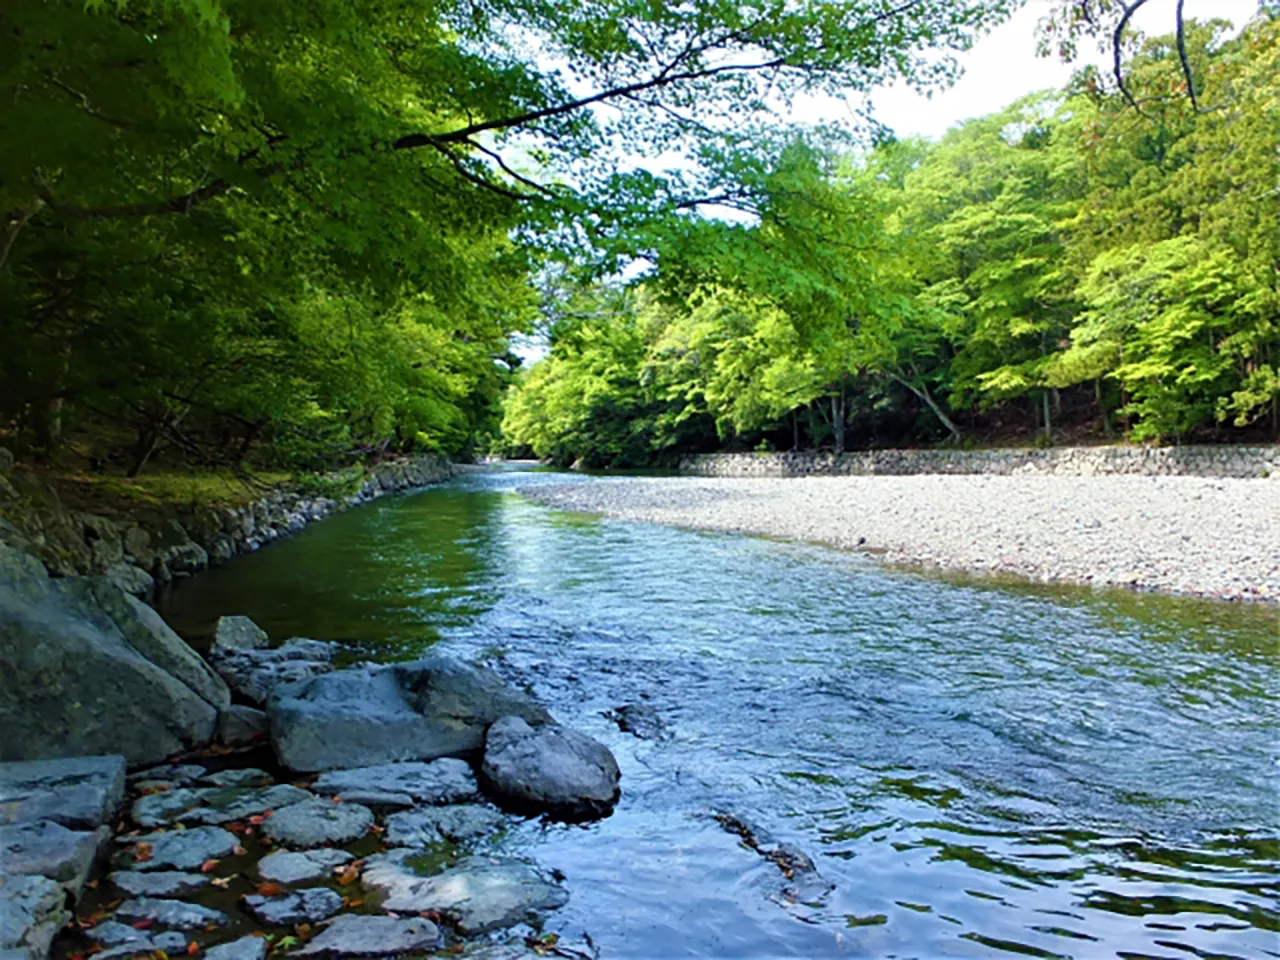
pixel 1187 535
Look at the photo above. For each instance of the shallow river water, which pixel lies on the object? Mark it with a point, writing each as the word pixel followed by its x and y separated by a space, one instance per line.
pixel 979 769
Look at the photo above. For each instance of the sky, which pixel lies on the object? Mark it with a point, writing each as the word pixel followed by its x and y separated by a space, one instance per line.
pixel 1003 66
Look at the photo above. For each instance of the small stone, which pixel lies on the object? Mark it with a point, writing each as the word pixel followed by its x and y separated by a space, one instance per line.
pixel 289 867
pixel 447 780
pixel 175 774
pixel 179 849
pixel 159 883
pixel 171 942
pixel 422 828
pixel 246 776
pixel 301 906
pixel 478 894
pixel 240 725
pixel 213 805
pixel 238 633
pixel 353 935
pixel 318 823
pixel 246 948
pixel 170 913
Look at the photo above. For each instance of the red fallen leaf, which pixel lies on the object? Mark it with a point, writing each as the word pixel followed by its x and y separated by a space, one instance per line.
pixel 270 889
pixel 431 915
pixel 209 866
pixel 143 924
pixel 142 852
pixel 377 828
pixel 78 955
pixel 257 818
pixel 211 927
pixel 193 948
pixel 239 851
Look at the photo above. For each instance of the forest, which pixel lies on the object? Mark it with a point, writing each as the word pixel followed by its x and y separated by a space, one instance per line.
pixel 1086 263
pixel 296 234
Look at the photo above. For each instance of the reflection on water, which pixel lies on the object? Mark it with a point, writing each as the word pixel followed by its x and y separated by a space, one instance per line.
pixel 980 769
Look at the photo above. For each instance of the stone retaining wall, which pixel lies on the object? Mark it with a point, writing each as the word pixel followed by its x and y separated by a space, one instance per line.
pixel 139 555
pixel 1196 461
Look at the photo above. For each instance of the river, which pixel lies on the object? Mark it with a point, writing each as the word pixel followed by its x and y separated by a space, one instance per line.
pixel 979 768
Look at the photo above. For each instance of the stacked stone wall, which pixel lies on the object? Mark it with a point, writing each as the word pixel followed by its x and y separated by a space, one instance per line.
pixel 1195 461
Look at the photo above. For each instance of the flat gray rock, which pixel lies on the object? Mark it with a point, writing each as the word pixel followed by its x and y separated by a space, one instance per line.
pixel 551 768
pixel 447 780
pixel 425 827
pixel 159 883
pixel 353 935
pixel 122 940
pixel 318 823
pixel 32 911
pixel 302 906
pixel 212 805
pixel 246 948
pixel 178 849
pixel 78 792
pixel 51 850
pixel 176 914
pixel 254 674
pixel 380 799
pixel 478 894
pixel 420 710
pixel 238 633
pixel 289 867
pixel 177 774
pixel 242 777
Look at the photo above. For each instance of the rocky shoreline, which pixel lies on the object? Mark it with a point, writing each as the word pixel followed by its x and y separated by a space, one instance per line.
pixel 1217 538
pixel 139 553
pixel 263 802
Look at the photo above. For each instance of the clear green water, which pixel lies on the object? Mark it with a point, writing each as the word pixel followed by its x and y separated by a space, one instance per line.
pixel 980 769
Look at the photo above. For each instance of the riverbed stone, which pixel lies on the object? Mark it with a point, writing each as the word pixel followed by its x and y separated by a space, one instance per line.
pixel 159 883
pixel 240 725
pixel 294 867
pixel 131 579
pixel 237 777
pixel 639 720
pixel 49 849
pixel 318 823
pixel 32 911
pixel 254 674
pixel 238 633
pixel 354 935
pixel 421 710
pixel 428 826
pixel 75 682
pixel 302 906
pixel 447 780
pixel 551 768
pixel 172 774
pixel 246 948
pixel 478 894
pixel 78 792
pixel 212 805
pixel 175 914
pixel 178 849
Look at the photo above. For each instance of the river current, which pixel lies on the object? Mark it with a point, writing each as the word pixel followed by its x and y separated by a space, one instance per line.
pixel 977 768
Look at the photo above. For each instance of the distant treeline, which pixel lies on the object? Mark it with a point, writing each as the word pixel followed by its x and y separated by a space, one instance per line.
pixel 1100 259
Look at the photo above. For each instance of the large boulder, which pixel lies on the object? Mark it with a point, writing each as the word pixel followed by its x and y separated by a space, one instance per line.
pixel 550 768
pixel 420 710
pixel 32 911
pixel 238 633
pixel 77 674
pixel 79 792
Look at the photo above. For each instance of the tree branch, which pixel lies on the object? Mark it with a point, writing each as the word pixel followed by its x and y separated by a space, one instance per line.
pixel 1116 39
pixel 17 220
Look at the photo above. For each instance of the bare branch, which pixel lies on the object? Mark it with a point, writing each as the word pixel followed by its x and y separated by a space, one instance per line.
pixel 1116 40
pixel 497 158
pixel 17 220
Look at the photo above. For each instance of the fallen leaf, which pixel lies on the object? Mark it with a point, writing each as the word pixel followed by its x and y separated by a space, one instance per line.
pixel 221 882
pixel 257 818
pixel 377 828
pixel 142 852
pixel 239 851
pixel 211 927
pixel 143 924
pixel 92 884
pixel 193 948
pixel 356 903
pixel 302 929
pixel 350 875
pixel 209 866
pixel 270 889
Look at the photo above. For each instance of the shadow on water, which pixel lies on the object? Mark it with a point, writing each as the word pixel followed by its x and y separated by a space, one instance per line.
pixel 979 768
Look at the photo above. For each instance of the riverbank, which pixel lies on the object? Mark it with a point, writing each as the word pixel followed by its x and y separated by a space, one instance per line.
pixel 1216 538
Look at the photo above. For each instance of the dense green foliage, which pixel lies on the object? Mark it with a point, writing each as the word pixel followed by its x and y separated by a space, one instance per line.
pixel 299 229
pixel 1103 258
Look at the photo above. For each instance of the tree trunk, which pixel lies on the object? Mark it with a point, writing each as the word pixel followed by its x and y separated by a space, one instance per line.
pixel 1048 426
pixel 795 430
pixel 923 393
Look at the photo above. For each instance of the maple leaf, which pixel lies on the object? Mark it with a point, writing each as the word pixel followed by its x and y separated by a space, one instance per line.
pixel 193 948
pixel 270 889
pixel 209 866
pixel 239 851
pixel 142 852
